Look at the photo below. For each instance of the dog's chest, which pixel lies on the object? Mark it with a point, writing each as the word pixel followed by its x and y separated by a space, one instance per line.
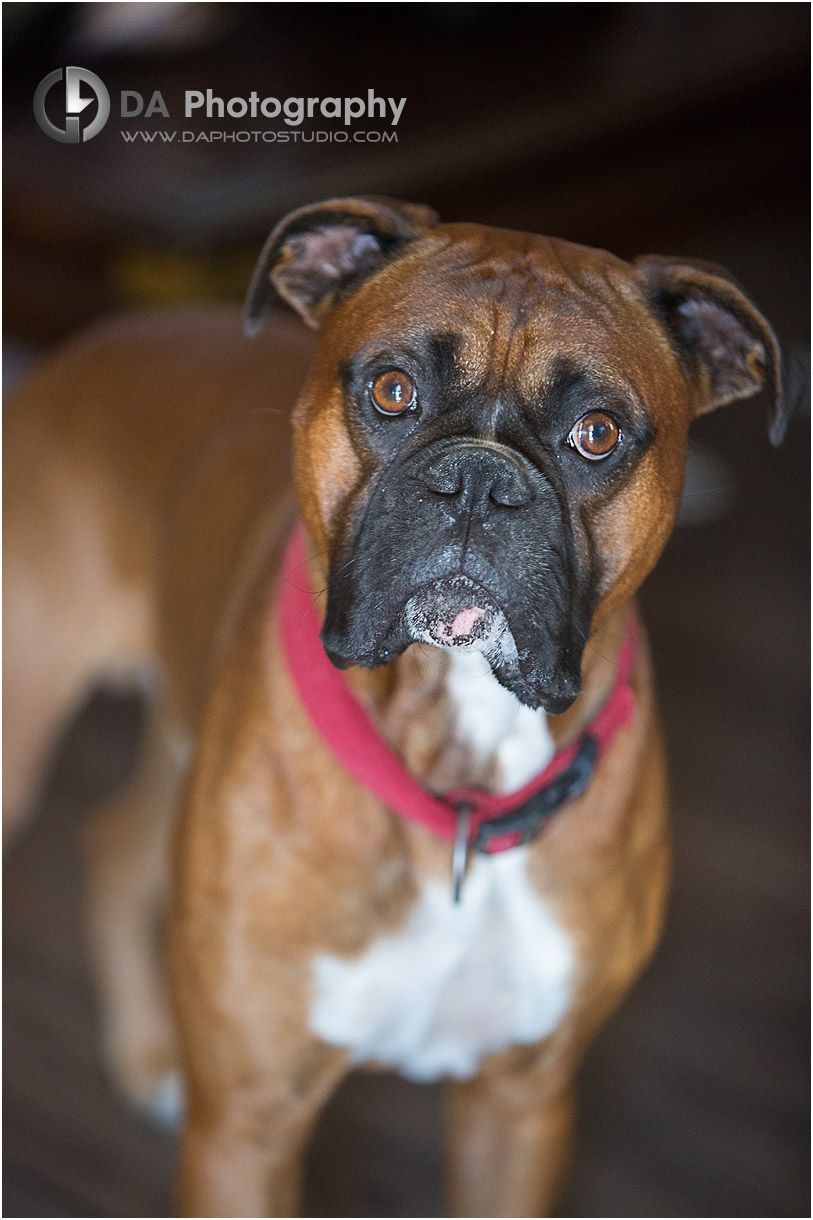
pixel 494 724
pixel 456 983
pixel 459 982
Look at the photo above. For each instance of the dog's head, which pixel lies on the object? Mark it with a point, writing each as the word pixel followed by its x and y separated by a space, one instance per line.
pixel 490 447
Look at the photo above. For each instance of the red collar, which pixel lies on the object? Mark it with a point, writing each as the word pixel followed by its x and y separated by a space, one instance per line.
pixel 495 822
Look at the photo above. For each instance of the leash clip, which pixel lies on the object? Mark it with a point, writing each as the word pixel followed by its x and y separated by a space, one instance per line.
pixel 460 852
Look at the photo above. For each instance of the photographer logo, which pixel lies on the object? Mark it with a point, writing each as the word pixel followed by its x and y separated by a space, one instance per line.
pixel 72 132
pixel 294 115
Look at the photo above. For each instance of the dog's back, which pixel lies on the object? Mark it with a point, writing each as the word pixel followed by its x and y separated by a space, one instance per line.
pixel 125 456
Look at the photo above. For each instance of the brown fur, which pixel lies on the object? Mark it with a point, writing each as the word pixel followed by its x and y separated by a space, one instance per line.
pixel 147 497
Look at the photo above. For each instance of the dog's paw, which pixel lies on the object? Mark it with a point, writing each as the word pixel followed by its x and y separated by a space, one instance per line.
pixel 164 1108
pixel 151 1083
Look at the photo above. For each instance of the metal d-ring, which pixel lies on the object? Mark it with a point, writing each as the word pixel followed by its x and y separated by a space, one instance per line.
pixel 460 853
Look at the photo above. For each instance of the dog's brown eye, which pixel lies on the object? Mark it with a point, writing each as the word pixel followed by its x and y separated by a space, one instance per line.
pixel 393 392
pixel 595 435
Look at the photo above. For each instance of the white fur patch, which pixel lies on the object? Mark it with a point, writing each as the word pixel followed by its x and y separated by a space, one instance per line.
pixel 456 983
pixel 166 1108
pixel 493 722
pixel 180 743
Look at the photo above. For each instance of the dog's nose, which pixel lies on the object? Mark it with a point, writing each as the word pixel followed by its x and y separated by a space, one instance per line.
pixel 478 474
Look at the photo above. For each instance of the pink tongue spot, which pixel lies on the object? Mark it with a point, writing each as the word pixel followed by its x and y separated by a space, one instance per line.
pixel 463 623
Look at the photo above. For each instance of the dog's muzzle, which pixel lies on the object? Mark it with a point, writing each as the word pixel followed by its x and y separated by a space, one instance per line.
pixel 462 546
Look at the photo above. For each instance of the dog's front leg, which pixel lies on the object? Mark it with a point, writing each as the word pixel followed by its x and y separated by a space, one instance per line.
pixel 245 1163
pixel 255 1092
pixel 508 1136
pixel 228 1170
pixel 256 1076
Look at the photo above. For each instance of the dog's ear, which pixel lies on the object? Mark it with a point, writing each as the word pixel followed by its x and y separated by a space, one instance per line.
pixel 320 253
pixel 725 345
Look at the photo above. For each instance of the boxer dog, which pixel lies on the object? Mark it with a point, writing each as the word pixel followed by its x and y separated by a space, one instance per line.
pixel 408 721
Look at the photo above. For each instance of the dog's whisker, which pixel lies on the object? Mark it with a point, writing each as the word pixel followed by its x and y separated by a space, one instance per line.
pixel 590 643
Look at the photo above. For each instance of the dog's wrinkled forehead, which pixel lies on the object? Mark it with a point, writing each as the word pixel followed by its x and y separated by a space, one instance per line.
pixel 501 314
pixel 681 334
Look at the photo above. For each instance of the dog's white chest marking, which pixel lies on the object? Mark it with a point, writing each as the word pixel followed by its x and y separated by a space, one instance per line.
pixel 456 983
pixel 459 981
pixel 493 722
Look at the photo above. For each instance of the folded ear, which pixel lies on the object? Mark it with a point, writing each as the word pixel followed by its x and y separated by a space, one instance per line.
pixel 317 255
pixel 725 345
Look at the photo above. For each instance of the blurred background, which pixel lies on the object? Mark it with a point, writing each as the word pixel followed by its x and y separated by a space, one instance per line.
pixel 665 128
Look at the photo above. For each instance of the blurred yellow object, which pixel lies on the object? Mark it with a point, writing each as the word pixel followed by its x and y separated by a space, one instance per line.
pixel 142 276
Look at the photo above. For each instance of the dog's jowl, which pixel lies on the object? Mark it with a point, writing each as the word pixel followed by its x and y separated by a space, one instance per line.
pixel 402 726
